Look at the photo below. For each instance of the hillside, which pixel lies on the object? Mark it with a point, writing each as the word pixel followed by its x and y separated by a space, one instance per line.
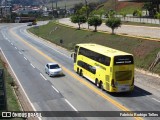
pixel 127 7
pixel 71 3
pixel 48 2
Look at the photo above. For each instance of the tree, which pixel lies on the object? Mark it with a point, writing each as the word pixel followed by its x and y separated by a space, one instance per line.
pixel 110 14
pixel 77 7
pixel 99 12
pixel 148 6
pixel 139 14
pixel 78 19
pixel 113 23
pixel 158 16
pixel 95 21
pixel 124 15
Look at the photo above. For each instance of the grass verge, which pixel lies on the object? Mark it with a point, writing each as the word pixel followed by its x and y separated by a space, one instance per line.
pixel 12 102
pixel 144 51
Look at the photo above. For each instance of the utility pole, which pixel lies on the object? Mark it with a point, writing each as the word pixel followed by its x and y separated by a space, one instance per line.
pixel 65 8
pixel 86 8
pixel 56 4
pixel 52 8
pixel 115 5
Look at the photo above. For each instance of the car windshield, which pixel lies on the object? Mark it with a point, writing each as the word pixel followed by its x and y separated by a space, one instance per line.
pixel 54 66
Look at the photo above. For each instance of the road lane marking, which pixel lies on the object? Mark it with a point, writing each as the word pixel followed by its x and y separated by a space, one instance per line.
pixel 81 80
pixel 25 58
pixel 43 76
pixel 32 65
pixel 55 89
pixel 19 83
pixel 15 47
pixel 70 104
pixel 156 99
pixel 20 52
pixel 11 43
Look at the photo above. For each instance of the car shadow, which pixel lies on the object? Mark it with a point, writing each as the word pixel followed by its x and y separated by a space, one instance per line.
pixel 137 92
pixel 58 76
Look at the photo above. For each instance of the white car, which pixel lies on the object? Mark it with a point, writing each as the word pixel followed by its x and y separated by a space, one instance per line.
pixel 53 69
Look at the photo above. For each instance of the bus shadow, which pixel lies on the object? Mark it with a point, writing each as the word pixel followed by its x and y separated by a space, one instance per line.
pixel 137 92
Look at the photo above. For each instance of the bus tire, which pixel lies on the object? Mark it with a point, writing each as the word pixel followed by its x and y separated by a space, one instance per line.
pixel 96 82
pixel 100 85
pixel 77 70
pixel 81 73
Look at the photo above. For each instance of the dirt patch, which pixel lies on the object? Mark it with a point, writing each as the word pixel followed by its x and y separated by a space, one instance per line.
pixel 143 49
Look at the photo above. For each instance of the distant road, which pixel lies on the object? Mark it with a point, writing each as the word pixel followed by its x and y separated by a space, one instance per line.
pixel 143 31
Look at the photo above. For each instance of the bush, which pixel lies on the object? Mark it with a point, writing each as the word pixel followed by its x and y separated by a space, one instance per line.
pixel 113 23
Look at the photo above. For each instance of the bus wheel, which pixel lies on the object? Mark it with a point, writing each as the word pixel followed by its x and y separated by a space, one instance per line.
pixel 96 82
pixel 100 85
pixel 77 70
pixel 81 73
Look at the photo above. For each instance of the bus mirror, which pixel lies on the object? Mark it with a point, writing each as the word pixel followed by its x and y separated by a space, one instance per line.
pixel 72 55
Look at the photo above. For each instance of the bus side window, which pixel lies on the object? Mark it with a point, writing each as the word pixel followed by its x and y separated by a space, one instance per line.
pixel 92 69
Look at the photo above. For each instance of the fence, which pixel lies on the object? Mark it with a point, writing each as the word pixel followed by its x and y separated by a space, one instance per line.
pixel 3 105
pixel 141 20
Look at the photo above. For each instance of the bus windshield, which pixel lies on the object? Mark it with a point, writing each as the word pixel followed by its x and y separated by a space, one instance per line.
pixel 123 60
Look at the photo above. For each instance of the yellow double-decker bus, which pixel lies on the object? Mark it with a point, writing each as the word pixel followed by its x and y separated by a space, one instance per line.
pixel 111 70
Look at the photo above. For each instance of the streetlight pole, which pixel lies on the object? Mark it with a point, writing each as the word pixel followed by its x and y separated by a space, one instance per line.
pixel 65 8
pixel 56 4
pixel 86 8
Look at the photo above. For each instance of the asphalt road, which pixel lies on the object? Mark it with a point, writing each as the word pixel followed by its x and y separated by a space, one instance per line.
pixel 28 54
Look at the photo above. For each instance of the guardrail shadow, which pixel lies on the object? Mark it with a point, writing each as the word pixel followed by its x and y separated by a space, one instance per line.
pixel 137 92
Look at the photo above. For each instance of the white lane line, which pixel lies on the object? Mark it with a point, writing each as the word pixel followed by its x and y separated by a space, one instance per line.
pixel 15 47
pixel 19 83
pixel 43 76
pixel 55 89
pixel 156 99
pixel 11 43
pixel 70 104
pixel 20 52
pixel 25 58
pixel 32 65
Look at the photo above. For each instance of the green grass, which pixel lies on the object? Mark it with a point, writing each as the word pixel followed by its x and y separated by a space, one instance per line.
pixel 12 102
pixel 144 51
pixel 129 9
